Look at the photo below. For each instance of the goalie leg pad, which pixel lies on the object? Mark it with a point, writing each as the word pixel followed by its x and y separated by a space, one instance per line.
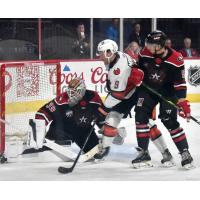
pixel 37 132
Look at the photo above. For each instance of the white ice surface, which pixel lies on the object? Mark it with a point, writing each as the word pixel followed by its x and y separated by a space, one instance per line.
pixel 118 164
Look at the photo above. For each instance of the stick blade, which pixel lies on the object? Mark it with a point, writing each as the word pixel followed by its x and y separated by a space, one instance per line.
pixel 64 170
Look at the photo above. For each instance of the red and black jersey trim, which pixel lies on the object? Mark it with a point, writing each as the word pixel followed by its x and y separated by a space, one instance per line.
pixel 180 89
pixel 96 98
pixel 174 58
pixel 146 53
pixel 43 115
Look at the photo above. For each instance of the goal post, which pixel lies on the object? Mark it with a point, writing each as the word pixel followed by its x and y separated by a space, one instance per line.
pixel 24 88
pixel 2 109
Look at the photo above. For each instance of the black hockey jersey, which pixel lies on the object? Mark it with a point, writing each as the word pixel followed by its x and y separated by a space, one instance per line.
pixel 166 75
pixel 66 120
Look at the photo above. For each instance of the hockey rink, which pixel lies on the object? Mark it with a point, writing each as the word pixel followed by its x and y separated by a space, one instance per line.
pixel 117 166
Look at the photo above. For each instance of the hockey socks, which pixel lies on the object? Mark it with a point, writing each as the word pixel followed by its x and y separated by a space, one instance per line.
pixel 179 138
pixel 142 132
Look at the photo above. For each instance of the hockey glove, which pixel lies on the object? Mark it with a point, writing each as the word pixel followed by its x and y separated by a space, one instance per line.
pixel 184 110
pixel 136 76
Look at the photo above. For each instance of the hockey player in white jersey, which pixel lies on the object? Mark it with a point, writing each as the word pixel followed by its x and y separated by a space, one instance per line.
pixel 123 79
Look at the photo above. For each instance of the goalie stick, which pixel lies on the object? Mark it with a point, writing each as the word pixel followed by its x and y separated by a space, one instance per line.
pixel 167 101
pixel 65 170
pixel 68 153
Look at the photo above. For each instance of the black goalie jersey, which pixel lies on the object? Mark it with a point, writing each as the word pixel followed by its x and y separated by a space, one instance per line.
pixel 69 122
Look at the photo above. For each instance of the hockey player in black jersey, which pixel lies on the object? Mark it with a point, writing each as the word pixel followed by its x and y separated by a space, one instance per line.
pixel 164 72
pixel 69 116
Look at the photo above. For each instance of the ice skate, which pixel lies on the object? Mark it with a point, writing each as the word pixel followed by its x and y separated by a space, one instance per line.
pixel 143 160
pixel 187 160
pixel 3 159
pixel 167 160
pixel 100 156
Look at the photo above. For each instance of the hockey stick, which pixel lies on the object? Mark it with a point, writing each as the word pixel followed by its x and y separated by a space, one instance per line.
pixel 68 153
pixel 167 101
pixel 59 149
pixel 65 170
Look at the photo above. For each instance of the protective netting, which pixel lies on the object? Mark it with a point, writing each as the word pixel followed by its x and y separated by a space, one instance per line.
pixel 27 88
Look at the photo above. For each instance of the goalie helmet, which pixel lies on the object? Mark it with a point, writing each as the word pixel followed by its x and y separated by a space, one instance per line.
pixel 76 90
pixel 156 37
pixel 105 46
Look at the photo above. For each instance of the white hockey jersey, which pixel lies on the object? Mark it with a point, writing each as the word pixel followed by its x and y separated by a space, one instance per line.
pixel 118 75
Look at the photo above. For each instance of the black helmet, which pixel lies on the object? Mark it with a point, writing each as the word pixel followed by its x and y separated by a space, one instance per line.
pixel 156 37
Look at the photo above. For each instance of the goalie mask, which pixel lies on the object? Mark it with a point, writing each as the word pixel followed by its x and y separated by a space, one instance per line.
pixel 76 90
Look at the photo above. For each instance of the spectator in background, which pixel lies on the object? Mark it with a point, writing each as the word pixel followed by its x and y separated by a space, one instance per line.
pixel 80 45
pixel 112 31
pixel 187 51
pixel 168 43
pixel 133 50
pixel 136 36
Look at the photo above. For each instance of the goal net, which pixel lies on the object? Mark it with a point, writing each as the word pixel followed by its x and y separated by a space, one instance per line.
pixel 24 88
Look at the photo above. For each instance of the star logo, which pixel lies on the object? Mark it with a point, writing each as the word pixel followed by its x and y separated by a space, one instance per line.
pixel 155 76
pixel 83 119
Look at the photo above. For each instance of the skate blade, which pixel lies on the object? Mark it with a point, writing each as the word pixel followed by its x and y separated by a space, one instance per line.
pixel 168 164
pixel 99 160
pixel 188 166
pixel 142 165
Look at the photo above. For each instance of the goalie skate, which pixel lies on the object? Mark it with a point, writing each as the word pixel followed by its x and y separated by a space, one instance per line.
pixel 143 160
